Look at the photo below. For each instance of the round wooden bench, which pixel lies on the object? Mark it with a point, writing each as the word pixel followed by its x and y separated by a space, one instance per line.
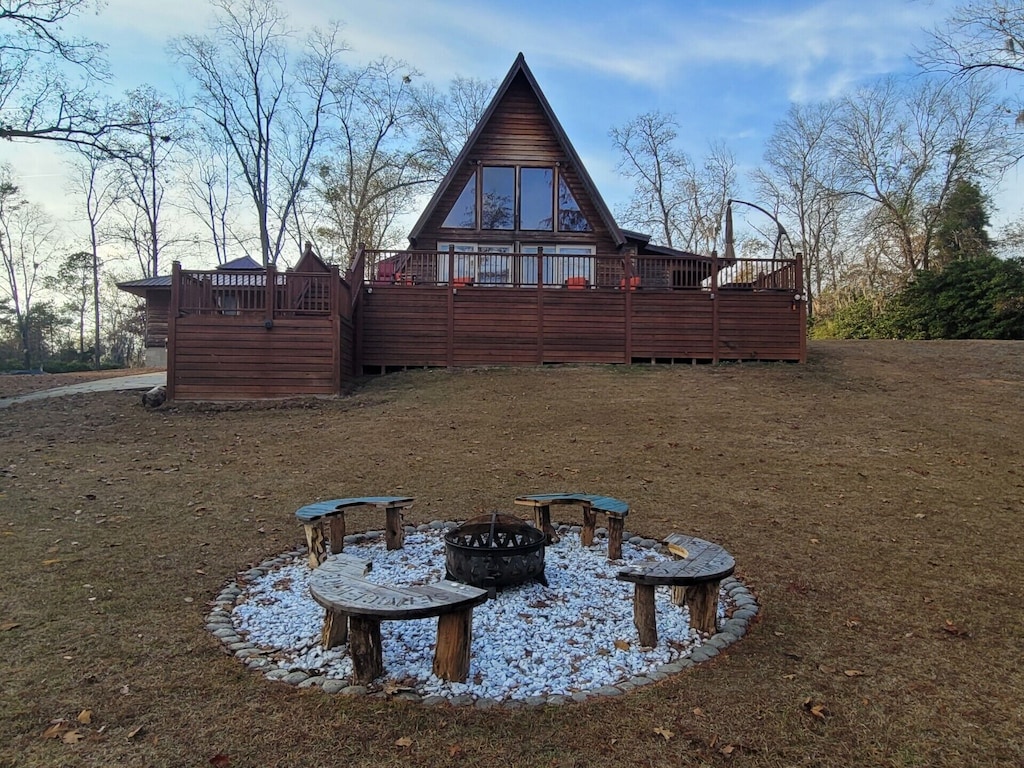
pixel 355 608
pixel 312 517
pixel 614 509
pixel 695 576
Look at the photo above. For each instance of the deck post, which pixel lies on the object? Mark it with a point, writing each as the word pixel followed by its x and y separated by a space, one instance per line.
pixel 714 307
pixel 334 298
pixel 269 300
pixel 172 325
pixel 540 305
pixel 800 289
pixel 451 306
pixel 627 284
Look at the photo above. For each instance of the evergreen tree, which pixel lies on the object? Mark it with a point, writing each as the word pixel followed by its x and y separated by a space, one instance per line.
pixel 961 229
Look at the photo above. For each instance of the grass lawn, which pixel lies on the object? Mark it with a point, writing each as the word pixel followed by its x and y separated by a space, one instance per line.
pixel 873 499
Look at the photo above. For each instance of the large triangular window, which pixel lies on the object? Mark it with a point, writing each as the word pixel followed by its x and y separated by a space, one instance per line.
pixel 570 217
pixel 463 213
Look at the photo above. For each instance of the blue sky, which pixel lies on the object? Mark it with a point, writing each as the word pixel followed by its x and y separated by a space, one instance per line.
pixel 729 70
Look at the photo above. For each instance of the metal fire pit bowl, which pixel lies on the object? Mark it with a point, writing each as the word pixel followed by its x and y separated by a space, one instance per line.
pixel 495 550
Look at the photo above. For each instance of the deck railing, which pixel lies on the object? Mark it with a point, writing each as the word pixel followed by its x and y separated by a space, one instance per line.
pixel 459 269
pixel 267 292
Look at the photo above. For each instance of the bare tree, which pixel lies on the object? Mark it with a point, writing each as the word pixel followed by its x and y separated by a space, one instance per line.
pixel 145 167
pixel 982 38
pixel 680 202
pixel 46 76
pixel 266 100
pixel 99 187
pixel 27 241
pixel 799 181
pixel 371 170
pixel 901 150
pixel 445 119
pixel 209 180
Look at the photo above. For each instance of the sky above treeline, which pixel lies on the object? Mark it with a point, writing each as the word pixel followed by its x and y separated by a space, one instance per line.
pixel 728 70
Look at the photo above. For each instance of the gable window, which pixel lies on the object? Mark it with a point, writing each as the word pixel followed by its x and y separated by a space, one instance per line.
pixel 535 198
pixel 502 198
pixel 570 217
pixel 499 197
pixel 463 213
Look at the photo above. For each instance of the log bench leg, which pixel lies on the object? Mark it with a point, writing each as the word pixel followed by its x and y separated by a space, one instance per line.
pixel 337 523
pixel 589 523
pixel 316 544
pixel 615 526
pixel 394 530
pixel 335 631
pixel 702 600
pixel 542 520
pixel 451 654
pixel 644 616
pixel 364 646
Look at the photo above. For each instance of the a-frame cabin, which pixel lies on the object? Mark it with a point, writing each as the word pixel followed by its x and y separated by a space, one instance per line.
pixel 516 260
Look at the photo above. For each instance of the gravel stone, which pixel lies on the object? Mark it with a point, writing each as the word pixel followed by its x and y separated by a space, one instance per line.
pixel 608 690
pixel 462 700
pixel 294 678
pixel 557 700
pixel 353 690
pixel 433 701
pixel 277 674
pixel 312 682
pixel 640 680
pixel 581 696
pixel 333 686
pixel 483 703
pixel 536 701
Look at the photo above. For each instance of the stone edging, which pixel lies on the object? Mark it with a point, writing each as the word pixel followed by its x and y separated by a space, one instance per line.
pixel 219 623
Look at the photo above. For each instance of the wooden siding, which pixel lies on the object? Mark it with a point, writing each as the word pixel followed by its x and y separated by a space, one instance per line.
pixel 157 311
pixel 232 358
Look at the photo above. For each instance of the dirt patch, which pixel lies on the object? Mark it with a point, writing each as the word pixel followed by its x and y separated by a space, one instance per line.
pixel 872 499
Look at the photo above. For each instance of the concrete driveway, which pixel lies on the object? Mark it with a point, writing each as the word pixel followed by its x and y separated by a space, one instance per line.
pixel 113 384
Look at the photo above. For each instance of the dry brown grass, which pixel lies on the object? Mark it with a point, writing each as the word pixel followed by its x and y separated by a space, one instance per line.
pixel 872 499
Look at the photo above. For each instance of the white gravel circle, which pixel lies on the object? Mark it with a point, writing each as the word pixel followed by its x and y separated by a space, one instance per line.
pixel 574 635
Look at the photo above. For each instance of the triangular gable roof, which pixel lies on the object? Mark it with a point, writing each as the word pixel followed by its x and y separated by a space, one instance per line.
pixel 520 67
pixel 243 262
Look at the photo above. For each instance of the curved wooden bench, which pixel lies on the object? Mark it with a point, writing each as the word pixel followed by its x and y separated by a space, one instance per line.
pixel 695 578
pixel 614 509
pixel 355 608
pixel 312 517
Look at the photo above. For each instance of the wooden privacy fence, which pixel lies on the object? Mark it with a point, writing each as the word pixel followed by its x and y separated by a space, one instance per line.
pixel 237 334
pixel 425 308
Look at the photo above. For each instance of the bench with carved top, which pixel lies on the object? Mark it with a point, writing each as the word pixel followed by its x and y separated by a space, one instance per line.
pixel 695 576
pixel 313 516
pixel 614 509
pixel 355 607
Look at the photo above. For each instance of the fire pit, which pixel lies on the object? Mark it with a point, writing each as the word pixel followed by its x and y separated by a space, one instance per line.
pixel 495 550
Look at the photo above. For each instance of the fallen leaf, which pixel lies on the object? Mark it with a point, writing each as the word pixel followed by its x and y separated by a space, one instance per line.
pixel 456 749
pixel 622 645
pixel 698 712
pixel 85 716
pixel 51 561
pixel 664 733
pixel 404 741
pixel 954 630
pixel 55 730
pixel 815 541
pixel 7 626
pixel 125 690
pixel 134 731
pixel 826 669
pixel 72 737
pixel 727 750
pixel 853 673
pixel 220 760
pixel 816 708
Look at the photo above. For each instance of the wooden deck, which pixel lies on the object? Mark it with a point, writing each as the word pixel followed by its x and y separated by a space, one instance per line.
pixel 268 334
